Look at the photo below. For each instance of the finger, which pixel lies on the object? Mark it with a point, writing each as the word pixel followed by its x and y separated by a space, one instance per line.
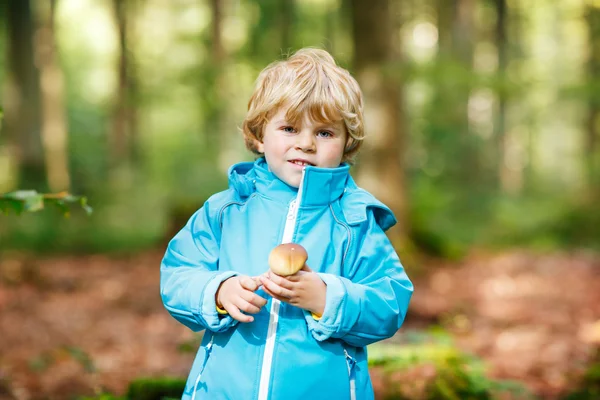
pixel 248 283
pixel 246 306
pixel 237 314
pixel 258 301
pixel 298 276
pixel 281 281
pixel 273 295
pixel 275 288
pixel 256 280
pixel 254 299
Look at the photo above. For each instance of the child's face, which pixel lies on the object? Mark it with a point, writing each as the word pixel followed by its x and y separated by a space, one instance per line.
pixel 288 148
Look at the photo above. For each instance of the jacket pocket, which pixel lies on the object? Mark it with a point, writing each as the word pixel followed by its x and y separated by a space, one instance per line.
pixel 351 362
pixel 207 351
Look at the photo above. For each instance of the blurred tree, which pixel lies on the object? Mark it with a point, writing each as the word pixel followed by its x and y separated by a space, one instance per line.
pixel 22 121
pixel 593 117
pixel 217 138
pixel 287 24
pixel 381 164
pixel 123 134
pixel 265 37
pixel 218 52
pixel 455 58
pixel 500 120
pixel 513 176
pixel 54 121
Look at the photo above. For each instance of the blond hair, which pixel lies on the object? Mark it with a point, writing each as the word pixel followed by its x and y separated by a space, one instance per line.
pixel 309 83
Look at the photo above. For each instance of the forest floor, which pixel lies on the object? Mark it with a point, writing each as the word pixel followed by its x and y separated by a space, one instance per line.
pixel 75 325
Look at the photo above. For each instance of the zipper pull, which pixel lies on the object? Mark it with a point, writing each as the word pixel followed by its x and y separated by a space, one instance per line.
pixel 351 360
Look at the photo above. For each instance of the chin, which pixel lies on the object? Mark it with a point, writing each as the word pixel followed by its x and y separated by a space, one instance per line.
pixel 293 183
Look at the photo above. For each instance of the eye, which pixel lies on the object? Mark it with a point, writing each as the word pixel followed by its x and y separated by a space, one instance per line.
pixel 325 134
pixel 288 129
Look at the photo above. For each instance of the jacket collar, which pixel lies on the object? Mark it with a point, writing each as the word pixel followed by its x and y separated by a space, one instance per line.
pixel 321 186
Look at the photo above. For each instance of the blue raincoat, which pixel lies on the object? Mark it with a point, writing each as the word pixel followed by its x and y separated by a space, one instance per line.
pixel 285 353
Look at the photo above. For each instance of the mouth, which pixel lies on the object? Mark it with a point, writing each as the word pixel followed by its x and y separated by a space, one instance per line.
pixel 301 163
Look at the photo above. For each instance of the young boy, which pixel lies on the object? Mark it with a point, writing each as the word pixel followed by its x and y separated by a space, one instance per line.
pixel 302 336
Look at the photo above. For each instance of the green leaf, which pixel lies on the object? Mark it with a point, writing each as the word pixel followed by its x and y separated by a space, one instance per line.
pixel 82 357
pixel 31 201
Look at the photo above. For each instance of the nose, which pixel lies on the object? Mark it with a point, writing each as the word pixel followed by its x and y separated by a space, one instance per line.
pixel 305 142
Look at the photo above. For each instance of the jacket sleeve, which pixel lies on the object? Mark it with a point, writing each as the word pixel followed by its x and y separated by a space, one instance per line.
pixel 370 303
pixel 189 275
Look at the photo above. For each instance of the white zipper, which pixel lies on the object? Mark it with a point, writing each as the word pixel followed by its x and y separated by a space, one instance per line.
pixel 288 235
pixel 350 362
pixel 206 356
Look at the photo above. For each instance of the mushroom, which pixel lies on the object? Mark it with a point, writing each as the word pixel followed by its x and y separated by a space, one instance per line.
pixel 287 259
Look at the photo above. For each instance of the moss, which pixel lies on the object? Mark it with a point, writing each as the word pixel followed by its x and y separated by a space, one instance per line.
pixel 155 388
pixel 434 371
pixel 589 386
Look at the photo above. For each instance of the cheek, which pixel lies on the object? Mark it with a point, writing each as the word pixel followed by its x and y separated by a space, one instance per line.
pixel 274 147
pixel 333 154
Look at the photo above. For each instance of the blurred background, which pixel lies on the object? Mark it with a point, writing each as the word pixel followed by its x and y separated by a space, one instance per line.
pixel 483 135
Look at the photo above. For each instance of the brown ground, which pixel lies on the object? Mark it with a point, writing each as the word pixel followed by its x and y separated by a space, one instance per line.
pixel 531 317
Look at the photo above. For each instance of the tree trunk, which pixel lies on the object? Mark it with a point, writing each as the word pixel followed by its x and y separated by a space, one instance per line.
pixel 522 177
pixel 463 31
pixel 381 161
pixel 217 50
pixel 330 29
pixel 593 114
pixel 445 18
pixel 456 37
pixel 500 120
pixel 287 25
pixel 22 98
pixel 218 140
pixel 456 29
pixel 123 133
pixel 54 121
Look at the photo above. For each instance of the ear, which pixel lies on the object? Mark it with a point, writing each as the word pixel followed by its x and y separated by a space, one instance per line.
pixel 260 146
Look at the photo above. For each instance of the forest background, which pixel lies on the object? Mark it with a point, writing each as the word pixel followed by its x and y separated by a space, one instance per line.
pixel 483 135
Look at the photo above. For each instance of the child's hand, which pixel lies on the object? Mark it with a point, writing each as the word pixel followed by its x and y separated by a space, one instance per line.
pixel 236 294
pixel 305 289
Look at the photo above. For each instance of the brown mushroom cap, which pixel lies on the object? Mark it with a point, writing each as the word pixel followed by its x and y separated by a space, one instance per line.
pixel 287 259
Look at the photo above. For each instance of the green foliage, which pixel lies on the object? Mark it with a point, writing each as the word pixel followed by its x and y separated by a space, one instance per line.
pixel 433 229
pixel 589 387
pixel 163 388
pixel 155 388
pixel 45 360
pixel 103 396
pixel 186 123
pixel 122 221
pixel 82 358
pixel 31 201
pixel 435 369
pixel 191 346
pixel 446 221
pixel 544 222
